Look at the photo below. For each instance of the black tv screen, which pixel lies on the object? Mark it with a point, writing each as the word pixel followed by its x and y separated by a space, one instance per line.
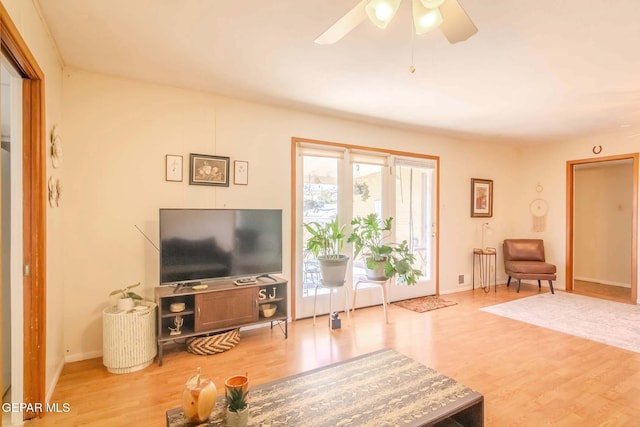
pixel 202 244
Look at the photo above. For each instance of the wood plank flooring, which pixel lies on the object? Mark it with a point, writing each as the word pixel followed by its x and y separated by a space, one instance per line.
pixel 528 375
pixel 599 290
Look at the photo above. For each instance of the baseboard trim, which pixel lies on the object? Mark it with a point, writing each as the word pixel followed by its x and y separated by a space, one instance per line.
pixel 82 356
pixel 54 382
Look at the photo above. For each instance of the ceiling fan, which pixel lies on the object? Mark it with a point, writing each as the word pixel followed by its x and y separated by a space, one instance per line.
pixel 453 21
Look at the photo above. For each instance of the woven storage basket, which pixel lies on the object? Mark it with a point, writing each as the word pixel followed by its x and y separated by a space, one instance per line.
pixel 213 344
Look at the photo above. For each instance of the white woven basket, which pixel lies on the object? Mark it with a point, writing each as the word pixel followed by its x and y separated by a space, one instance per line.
pixel 128 339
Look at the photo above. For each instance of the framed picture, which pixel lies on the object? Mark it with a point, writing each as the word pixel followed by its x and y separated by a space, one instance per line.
pixel 208 170
pixel 173 167
pixel 481 197
pixel 240 172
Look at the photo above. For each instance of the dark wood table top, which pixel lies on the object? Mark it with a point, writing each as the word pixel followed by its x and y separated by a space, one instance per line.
pixel 380 388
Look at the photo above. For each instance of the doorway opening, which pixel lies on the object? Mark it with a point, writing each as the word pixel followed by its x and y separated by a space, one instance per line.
pixel 602 218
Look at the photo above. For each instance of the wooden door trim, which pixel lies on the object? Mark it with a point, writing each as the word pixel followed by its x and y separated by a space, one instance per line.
pixel 34 209
pixel 634 219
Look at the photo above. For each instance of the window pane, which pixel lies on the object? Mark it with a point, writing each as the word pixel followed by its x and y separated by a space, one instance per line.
pixel 320 204
pixel 413 213
pixel 367 198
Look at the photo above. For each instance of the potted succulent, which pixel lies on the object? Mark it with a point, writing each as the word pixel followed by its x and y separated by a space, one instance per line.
pixel 383 260
pixel 326 242
pixel 237 407
pixel 127 297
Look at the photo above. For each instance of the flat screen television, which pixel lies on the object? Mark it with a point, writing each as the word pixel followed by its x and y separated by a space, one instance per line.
pixel 205 244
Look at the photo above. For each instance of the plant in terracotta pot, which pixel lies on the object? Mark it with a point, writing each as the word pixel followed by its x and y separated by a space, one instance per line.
pixel 237 407
pixel 127 297
pixel 326 241
pixel 383 260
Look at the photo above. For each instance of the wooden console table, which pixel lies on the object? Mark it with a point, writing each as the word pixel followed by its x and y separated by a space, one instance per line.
pixel 380 388
pixel 220 307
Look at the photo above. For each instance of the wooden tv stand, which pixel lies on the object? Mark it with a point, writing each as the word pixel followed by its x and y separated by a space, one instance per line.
pixel 222 306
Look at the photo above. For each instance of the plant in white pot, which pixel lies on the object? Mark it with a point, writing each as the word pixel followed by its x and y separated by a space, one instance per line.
pixel 237 408
pixel 127 297
pixel 383 260
pixel 326 241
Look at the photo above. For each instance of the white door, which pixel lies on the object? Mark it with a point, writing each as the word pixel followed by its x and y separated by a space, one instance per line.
pixel 414 203
pixel 12 236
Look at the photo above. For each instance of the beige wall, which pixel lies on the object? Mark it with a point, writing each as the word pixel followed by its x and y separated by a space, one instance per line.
pixel 35 34
pixel 117 133
pixel 545 164
pixel 602 226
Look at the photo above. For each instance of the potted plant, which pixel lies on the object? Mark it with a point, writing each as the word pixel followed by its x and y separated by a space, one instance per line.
pixel 326 242
pixel 237 407
pixel 382 260
pixel 127 297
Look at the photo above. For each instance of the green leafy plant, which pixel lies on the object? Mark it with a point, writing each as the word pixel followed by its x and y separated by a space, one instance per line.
pixel 237 399
pixel 326 239
pixel 126 292
pixel 368 235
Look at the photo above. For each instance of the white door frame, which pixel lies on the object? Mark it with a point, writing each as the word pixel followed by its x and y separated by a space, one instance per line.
pixel 16 262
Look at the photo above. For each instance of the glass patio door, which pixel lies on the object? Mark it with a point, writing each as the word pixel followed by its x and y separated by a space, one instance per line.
pixel 318 191
pixel 336 181
pixel 415 222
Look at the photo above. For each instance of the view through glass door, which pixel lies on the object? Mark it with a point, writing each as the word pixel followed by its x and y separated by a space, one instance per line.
pixel 344 183
pixel 414 202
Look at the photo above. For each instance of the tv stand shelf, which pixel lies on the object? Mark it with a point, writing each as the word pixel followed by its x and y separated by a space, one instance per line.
pixel 220 307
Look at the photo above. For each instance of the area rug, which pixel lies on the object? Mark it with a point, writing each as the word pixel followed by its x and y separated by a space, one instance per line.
pixel 422 304
pixel 607 322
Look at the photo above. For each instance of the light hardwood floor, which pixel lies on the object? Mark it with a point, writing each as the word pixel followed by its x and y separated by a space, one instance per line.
pixel 599 290
pixel 528 375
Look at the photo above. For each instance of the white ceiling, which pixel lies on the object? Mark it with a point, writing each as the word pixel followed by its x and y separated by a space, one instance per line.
pixel 535 71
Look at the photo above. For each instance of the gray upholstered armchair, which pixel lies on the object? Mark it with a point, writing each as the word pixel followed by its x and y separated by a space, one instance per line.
pixel 524 259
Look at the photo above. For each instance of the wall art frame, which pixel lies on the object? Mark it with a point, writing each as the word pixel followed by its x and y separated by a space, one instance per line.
pixel 173 167
pixel 208 170
pixel 241 172
pixel 481 198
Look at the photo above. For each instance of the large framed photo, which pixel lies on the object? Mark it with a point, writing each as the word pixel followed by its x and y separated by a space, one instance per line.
pixel 481 197
pixel 208 170
pixel 173 168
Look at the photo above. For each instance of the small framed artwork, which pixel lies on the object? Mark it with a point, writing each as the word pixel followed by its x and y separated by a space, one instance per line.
pixel 240 172
pixel 208 170
pixel 481 197
pixel 173 168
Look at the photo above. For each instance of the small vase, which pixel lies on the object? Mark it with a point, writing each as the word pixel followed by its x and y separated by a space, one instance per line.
pixel 126 304
pixel 238 419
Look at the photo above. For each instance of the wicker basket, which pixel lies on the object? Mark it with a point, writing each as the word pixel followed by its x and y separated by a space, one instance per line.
pixel 213 344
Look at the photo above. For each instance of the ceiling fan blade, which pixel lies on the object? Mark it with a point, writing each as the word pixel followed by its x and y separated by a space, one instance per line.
pixel 456 24
pixel 344 25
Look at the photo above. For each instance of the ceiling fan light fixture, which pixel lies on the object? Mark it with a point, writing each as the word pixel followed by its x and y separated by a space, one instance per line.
pixel 425 19
pixel 381 12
